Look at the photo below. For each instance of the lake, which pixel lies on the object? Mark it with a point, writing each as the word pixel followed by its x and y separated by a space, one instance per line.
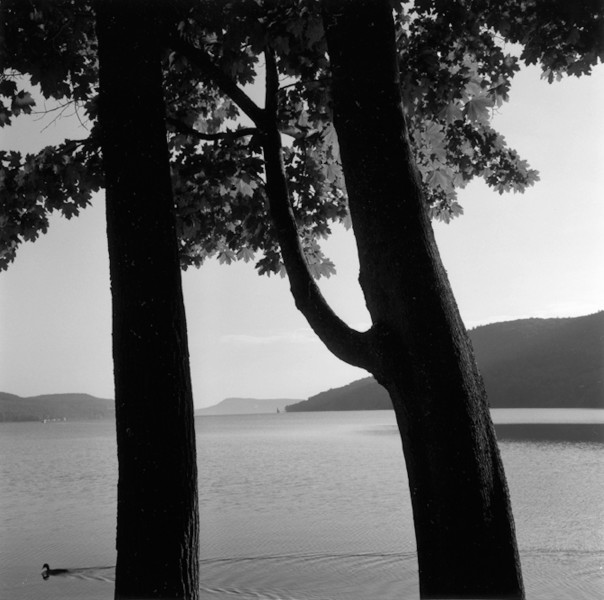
pixel 297 506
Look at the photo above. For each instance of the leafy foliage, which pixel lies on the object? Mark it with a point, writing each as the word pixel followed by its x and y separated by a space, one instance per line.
pixel 53 43
pixel 563 37
pixel 59 178
pixel 455 71
pixel 50 48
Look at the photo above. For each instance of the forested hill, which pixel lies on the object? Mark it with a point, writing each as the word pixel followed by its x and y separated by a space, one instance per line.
pixel 245 406
pixel 532 363
pixel 555 363
pixel 528 363
pixel 71 407
pixel 363 394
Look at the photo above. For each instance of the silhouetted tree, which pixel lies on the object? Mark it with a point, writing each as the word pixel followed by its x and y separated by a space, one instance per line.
pixel 447 70
pixel 157 516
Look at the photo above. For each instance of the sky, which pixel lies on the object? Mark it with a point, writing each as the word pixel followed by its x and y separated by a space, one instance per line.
pixel 537 254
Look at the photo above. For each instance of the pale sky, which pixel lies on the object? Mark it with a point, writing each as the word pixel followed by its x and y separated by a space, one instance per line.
pixel 511 256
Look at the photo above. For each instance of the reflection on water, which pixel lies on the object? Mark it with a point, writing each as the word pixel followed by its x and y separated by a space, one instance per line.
pixel 590 416
pixel 303 505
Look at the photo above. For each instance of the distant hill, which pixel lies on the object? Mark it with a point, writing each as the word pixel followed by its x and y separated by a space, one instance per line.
pixel 83 407
pixel 528 363
pixel 363 394
pixel 245 406
pixel 543 363
pixel 72 407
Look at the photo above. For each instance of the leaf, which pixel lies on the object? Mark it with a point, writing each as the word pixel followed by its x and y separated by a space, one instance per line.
pixel 70 210
pixel 330 138
pixel 473 88
pixel 477 109
pixel 245 254
pixel 452 112
pixel 22 102
pixel 347 221
pixel 442 179
pixel 435 138
pixel 8 88
pixel 226 257
pixel 333 173
pixel 303 120
pixel 245 188
pixel 456 209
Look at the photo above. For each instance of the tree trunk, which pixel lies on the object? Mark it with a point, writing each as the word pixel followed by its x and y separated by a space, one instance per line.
pixel 464 526
pixel 157 521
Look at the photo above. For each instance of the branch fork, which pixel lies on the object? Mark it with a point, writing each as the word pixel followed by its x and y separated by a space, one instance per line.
pixel 346 343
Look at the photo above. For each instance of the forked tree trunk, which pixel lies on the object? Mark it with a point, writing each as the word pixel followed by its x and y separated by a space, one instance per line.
pixel 157 521
pixel 463 521
pixel 417 346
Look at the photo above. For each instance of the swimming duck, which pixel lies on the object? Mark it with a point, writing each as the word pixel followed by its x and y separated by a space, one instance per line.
pixel 47 571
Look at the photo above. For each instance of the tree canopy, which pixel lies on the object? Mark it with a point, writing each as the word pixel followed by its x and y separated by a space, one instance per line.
pixel 458 61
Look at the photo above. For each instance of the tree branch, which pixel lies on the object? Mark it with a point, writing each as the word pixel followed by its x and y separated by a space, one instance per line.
pixel 272 84
pixel 210 137
pixel 218 77
pixel 344 342
pixel 347 344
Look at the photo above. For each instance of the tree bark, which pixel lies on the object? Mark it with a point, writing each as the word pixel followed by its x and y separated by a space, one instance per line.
pixel 463 521
pixel 157 521
pixel 417 346
pixel 344 342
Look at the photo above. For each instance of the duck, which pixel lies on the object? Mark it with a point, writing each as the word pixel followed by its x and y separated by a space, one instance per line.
pixel 47 571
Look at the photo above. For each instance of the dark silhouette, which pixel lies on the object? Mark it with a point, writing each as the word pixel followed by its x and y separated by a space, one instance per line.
pixel 526 363
pixel 543 363
pixel 157 507
pixel 418 348
pixel 48 572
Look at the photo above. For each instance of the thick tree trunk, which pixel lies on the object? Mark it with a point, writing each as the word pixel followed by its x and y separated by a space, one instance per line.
pixel 157 524
pixel 417 347
pixel 463 521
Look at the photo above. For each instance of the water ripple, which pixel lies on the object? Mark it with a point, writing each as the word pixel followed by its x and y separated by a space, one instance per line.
pixel 358 576
pixel 312 576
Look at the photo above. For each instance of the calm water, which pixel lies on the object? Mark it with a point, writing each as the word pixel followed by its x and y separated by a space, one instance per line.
pixel 305 506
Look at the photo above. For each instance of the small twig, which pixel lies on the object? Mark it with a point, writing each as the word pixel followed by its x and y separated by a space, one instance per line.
pixel 56 118
pixel 77 114
pixel 49 110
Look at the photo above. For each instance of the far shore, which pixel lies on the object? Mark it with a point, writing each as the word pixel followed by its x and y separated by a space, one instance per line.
pixel 511 424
